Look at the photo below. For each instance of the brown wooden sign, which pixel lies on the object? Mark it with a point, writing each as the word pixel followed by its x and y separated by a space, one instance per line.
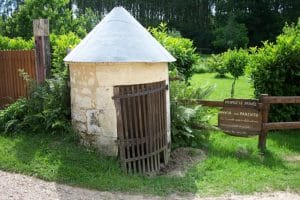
pixel 240 117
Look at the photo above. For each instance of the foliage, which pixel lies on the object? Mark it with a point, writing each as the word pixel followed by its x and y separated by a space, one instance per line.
pixel 15 43
pixel 61 18
pixel 235 62
pixel 201 66
pixel 60 45
pixel 189 123
pixel 263 19
pixel 46 110
pixel 232 35
pixel 276 71
pixel 197 20
pixel 181 48
pixel 215 64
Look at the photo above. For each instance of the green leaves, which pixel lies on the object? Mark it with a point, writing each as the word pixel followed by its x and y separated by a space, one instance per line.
pixel 15 43
pixel 46 110
pixel 275 70
pixel 60 45
pixel 181 48
pixel 188 122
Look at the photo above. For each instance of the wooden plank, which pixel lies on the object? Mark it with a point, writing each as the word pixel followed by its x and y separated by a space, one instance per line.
pixel 128 90
pixel 146 126
pixel 120 128
pixel 282 100
pixel 203 102
pixel 135 125
pixel 150 127
pixel 141 130
pixel 125 124
pixel 281 125
pixel 262 138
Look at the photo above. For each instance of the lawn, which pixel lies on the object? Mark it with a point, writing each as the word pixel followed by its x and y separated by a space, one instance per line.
pixel 243 87
pixel 233 164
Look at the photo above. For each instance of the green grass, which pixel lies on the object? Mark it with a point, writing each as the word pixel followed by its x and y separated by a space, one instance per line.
pixel 233 164
pixel 243 87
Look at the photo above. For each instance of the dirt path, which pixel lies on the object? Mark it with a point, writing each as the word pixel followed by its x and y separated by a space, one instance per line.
pixel 19 187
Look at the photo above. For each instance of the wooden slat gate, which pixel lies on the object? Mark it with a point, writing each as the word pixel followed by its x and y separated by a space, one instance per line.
pixel 141 126
pixel 12 86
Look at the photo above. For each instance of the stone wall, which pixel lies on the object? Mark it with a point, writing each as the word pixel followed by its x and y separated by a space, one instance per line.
pixel 93 109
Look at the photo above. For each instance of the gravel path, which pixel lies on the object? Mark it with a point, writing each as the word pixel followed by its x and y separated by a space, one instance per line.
pixel 19 187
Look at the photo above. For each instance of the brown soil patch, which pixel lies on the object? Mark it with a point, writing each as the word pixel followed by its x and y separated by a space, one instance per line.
pixel 181 159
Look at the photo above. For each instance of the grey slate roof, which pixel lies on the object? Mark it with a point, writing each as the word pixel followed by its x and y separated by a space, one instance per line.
pixel 119 38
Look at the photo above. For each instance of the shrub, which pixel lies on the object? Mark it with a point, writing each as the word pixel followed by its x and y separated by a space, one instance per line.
pixel 46 110
pixel 189 123
pixel 235 62
pixel 201 66
pixel 275 70
pixel 215 64
pixel 60 45
pixel 181 48
pixel 15 43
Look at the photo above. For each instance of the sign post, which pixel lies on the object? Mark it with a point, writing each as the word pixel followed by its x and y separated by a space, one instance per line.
pixel 240 117
pixel 42 49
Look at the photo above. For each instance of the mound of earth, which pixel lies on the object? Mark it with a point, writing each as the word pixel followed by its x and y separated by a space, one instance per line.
pixel 181 159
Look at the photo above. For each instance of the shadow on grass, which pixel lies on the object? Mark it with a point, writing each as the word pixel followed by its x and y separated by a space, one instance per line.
pixel 269 159
pixel 64 161
pixel 245 150
pixel 286 139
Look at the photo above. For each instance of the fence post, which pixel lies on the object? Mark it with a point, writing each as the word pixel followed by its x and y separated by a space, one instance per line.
pixel 42 49
pixel 265 114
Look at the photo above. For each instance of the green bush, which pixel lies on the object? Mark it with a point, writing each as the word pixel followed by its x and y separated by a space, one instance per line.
pixel 189 123
pixel 15 43
pixel 275 70
pixel 60 45
pixel 215 64
pixel 46 110
pixel 235 62
pixel 181 48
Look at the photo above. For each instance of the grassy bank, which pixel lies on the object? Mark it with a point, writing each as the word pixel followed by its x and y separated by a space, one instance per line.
pixel 232 165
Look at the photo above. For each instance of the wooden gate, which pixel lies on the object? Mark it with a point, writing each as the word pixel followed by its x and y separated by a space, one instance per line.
pixel 141 126
pixel 12 86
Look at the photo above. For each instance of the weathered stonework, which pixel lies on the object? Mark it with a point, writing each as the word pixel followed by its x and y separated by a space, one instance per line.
pixel 93 109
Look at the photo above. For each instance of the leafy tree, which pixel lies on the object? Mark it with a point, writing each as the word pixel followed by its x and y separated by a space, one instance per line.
pixel 58 12
pixel 232 35
pixel 235 62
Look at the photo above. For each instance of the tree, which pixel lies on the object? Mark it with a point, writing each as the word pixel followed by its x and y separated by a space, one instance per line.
pixel 61 18
pixel 232 35
pixel 235 62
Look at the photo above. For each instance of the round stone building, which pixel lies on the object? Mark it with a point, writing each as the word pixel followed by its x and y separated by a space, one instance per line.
pixel 119 90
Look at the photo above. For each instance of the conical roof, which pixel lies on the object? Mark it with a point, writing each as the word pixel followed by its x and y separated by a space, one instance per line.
pixel 119 38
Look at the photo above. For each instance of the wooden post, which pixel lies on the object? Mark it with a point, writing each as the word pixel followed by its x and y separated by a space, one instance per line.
pixel 265 114
pixel 42 49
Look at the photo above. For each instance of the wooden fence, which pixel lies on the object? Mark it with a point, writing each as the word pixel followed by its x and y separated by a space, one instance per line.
pixel 12 86
pixel 263 107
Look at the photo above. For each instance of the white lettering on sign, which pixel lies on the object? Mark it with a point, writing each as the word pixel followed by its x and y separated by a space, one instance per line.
pixel 240 117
